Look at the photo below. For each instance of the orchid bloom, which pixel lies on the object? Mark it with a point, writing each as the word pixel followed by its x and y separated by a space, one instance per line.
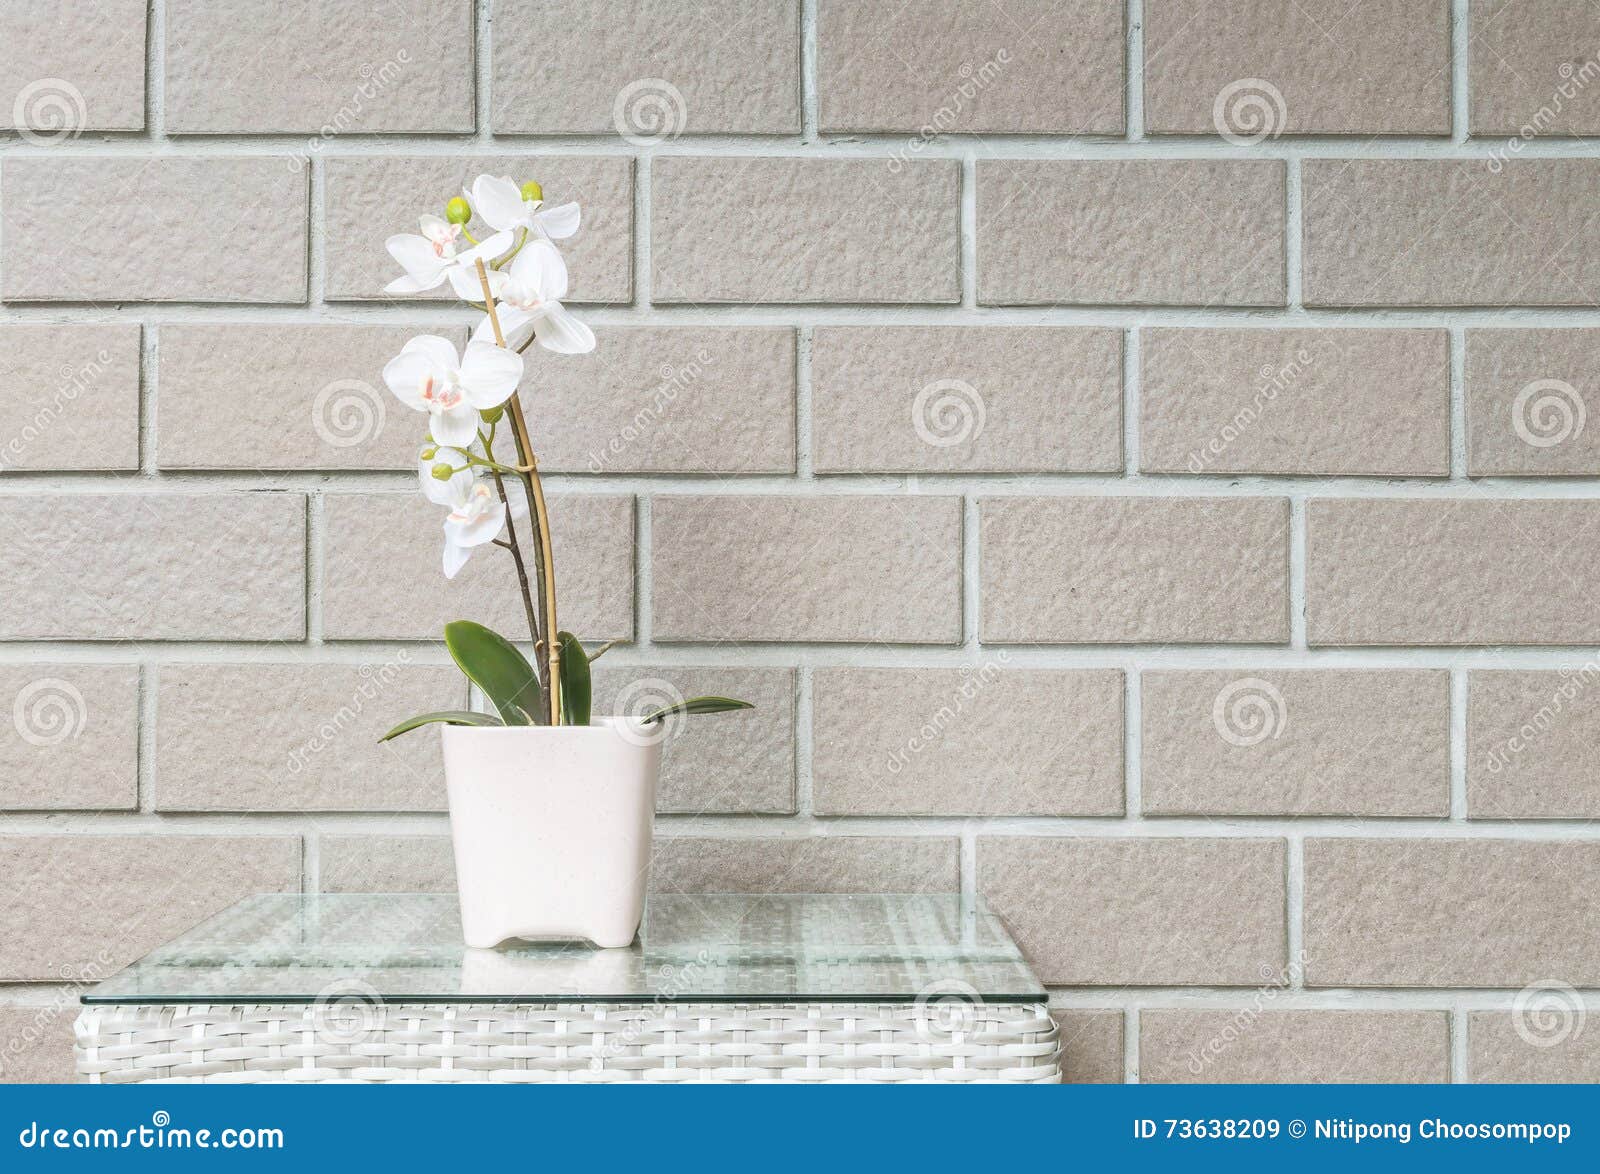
pixel 427 375
pixel 503 207
pixel 477 515
pixel 528 295
pixel 431 259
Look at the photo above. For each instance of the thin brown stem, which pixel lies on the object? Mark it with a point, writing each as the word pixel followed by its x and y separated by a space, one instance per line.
pixel 549 656
pixel 511 544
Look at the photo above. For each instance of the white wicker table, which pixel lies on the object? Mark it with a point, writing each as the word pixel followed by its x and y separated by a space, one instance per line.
pixel 378 989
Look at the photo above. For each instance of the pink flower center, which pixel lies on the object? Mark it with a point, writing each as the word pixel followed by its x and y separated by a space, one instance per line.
pixel 441 396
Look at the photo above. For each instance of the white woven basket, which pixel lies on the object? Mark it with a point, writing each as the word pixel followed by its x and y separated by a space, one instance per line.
pixel 521 1043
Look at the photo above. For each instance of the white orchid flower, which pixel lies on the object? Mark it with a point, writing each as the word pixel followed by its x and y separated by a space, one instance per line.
pixel 477 515
pixel 432 258
pixel 503 207
pixel 528 296
pixel 428 375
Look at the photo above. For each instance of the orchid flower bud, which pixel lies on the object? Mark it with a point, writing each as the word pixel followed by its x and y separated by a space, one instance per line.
pixel 458 211
pixel 492 415
pixel 442 472
pixel 532 191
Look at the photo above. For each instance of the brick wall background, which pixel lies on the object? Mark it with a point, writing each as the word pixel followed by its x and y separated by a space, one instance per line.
pixel 1134 454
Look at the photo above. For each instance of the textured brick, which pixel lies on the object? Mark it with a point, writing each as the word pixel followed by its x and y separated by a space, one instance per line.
pixel 730 66
pixel 384 579
pixel 892 399
pixel 1533 67
pixel 1140 912
pixel 733 762
pixel 1276 742
pixel 845 568
pixel 73 739
pixel 668 400
pixel 811 864
pixel 152 229
pixel 1186 232
pixel 1450 913
pixel 1528 397
pixel 1545 1044
pixel 1434 232
pixel 1260 68
pixel 36 1041
pixel 340 67
pixel 369 198
pixel 1351 402
pixel 285 397
pixel 681 864
pixel 1256 1046
pixel 69 397
pixel 966 741
pixel 72 65
pixel 1451 572
pixel 804 230
pixel 172 566
pixel 1025 66
pixel 1533 744
pixel 84 906
pixel 1091 1046
pixel 300 737
pixel 1084 570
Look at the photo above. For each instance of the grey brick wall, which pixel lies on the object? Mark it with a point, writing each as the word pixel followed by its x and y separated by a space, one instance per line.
pixel 1134 453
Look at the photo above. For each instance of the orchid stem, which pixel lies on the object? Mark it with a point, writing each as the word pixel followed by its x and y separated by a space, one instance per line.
pixel 548 657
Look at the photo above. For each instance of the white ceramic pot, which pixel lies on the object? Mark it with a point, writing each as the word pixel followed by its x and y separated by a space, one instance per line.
pixel 551 827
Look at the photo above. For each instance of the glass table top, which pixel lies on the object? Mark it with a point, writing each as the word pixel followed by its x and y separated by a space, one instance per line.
pixel 692 948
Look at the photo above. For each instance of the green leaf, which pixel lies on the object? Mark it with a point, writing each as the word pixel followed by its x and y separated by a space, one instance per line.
pixel 494 665
pixel 576 690
pixel 698 705
pixel 453 717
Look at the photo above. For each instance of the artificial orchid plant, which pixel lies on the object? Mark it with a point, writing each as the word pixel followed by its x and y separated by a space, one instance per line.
pixel 516 277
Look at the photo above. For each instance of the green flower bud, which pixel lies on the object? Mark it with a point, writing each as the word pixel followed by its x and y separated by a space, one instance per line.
pixel 429 453
pixel 443 472
pixel 458 211
pixel 492 415
pixel 532 191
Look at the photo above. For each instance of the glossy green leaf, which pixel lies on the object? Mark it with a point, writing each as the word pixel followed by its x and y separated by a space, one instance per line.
pixel 576 688
pixel 698 705
pixel 495 666
pixel 453 717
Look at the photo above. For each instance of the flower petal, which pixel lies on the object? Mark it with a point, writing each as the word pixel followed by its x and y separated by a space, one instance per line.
pixel 559 222
pixel 489 248
pixel 498 199
pixel 484 527
pixel 405 373
pixel 558 330
pixel 489 374
pixel 440 351
pixel 539 267
pixel 455 557
pixel 457 426
pixel 416 256
pixel 515 324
